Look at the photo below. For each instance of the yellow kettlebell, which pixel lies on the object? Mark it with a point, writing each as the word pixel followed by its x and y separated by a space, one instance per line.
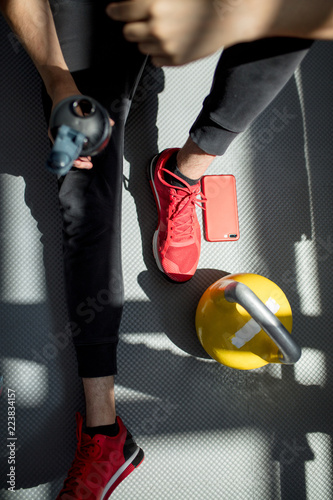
pixel 244 321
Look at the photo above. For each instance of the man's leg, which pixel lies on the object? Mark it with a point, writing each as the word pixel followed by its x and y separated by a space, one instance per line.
pixel 90 202
pixel 247 78
pixel 100 401
pixel 192 161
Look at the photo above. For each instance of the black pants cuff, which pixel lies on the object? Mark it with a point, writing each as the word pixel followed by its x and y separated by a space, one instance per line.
pixel 99 360
pixel 210 136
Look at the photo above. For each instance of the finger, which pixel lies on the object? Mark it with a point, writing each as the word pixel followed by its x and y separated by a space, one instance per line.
pixel 83 162
pixel 128 11
pixel 84 158
pixel 82 167
pixel 138 32
pixel 163 59
pixel 160 61
pixel 152 49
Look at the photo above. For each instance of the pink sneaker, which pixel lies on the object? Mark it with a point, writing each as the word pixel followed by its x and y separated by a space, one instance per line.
pixel 177 239
pixel 100 464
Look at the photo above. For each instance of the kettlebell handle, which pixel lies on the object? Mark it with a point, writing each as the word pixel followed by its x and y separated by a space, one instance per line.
pixel 289 351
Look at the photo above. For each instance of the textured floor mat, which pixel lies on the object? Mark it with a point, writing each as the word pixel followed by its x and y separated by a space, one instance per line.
pixel 209 432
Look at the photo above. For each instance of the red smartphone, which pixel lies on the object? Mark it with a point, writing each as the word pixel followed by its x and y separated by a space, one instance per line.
pixel 220 216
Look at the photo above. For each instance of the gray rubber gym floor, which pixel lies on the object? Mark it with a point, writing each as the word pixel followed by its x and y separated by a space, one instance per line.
pixel 209 432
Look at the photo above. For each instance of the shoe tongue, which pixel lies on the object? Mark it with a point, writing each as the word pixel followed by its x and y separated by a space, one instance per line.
pixel 85 438
pixel 88 448
pixel 184 198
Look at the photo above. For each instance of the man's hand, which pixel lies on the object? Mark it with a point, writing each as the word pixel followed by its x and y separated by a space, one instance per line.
pixel 62 92
pixel 175 32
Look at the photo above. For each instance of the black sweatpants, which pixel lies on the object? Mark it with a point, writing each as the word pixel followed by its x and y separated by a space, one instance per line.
pixel 247 78
pixel 106 67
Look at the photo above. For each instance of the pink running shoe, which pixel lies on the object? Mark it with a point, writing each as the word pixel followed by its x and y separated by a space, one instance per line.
pixel 177 239
pixel 100 464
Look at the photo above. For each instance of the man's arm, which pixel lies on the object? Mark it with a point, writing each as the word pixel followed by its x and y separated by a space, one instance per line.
pixel 32 22
pixel 176 32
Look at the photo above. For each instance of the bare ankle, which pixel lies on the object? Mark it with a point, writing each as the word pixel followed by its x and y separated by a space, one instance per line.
pixel 100 401
pixel 192 161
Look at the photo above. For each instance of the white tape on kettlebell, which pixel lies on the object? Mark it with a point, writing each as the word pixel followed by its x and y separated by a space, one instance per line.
pixel 251 328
